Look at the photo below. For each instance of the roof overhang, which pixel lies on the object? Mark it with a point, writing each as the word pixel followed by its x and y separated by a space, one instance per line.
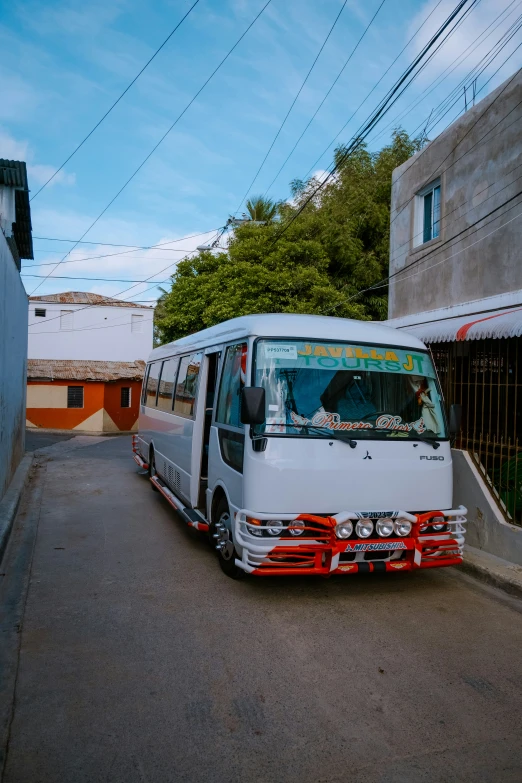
pixel 478 320
pixel 13 174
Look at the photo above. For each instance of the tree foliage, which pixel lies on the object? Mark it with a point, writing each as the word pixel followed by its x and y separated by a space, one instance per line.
pixel 336 246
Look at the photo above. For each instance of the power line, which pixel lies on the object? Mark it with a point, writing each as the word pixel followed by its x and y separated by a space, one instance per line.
pixel 383 107
pixel 112 255
pixel 292 106
pixel 119 244
pixel 337 79
pixel 129 180
pixel 158 50
pixel 380 80
pixel 98 279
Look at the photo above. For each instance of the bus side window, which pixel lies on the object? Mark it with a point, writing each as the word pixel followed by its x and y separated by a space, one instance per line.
pixel 166 385
pixel 187 384
pixel 152 384
pixel 144 385
pixel 232 382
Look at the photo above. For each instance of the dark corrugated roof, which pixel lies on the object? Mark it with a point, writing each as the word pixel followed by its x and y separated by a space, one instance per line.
pixel 83 370
pixel 86 297
pixel 13 174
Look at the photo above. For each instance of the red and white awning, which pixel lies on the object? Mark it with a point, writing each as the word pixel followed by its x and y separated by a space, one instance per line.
pixel 480 326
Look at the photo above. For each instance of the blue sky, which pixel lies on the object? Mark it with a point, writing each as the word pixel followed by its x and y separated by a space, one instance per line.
pixel 62 64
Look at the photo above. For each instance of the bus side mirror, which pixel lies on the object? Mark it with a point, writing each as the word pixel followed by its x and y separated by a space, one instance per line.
pixel 253 405
pixel 455 416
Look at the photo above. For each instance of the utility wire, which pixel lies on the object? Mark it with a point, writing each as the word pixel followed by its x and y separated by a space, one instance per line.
pixel 384 106
pixel 337 79
pixel 126 90
pixel 153 150
pixel 118 244
pixel 380 80
pixel 292 106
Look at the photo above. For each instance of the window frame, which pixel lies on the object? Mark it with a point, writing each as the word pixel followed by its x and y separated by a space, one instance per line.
pixel 155 406
pixel 174 358
pixel 418 240
pixel 76 407
pixel 129 389
pixel 180 357
pixel 241 427
pixel 40 312
pixel 65 313
pixel 138 320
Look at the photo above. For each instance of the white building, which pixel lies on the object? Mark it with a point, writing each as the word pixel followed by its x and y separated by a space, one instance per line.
pixel 84 326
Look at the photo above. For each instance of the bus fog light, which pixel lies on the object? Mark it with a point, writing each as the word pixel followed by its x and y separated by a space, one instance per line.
pixel 384 527
pixel 254 531
pixel 296 528
pixel 274 527
pixel 344 530
pixel 364 528
pixel 402 527
pixel 438 523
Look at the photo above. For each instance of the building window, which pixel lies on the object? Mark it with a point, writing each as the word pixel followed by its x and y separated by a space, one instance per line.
pixel 136 323
pixel 125 397
pixel 39 312
pixel 66 320
pixel 75 396
pixel 186 386
pixel 427 218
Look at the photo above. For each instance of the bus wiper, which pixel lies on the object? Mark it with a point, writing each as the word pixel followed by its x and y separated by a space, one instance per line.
pixel 351 442
pixel 434 443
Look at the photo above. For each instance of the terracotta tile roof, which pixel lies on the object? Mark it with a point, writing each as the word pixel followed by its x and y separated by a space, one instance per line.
pixel 78 370
pixel 85 297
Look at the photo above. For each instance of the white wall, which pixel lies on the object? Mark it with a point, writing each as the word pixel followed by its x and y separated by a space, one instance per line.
pixel 99 332
pixel 13 355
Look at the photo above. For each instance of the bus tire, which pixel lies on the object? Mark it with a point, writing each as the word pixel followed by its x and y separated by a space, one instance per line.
pixel 152 468
pixel 221 537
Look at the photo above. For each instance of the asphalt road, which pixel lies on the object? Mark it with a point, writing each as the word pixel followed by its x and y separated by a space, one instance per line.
pixel 140 662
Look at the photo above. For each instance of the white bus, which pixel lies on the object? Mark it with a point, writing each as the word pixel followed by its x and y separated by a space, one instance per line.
pixel 304 445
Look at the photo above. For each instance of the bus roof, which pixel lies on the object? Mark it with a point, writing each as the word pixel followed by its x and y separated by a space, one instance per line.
pixel 289 325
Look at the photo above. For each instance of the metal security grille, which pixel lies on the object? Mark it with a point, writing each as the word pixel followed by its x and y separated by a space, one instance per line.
pixel 483 376
pixel 75 396
pixel 39 312
pixel 125 396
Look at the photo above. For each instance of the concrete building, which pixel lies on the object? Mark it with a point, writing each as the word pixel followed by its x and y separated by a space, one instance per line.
pixel 84 396
pixel 78 325
pixel 86 361
pixel 15 243
pixel 456 283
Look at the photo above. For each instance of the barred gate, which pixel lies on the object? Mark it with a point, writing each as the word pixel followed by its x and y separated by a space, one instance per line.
pixel 483 376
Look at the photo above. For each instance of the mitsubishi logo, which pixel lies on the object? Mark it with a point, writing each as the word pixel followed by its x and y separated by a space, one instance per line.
pixel 367 455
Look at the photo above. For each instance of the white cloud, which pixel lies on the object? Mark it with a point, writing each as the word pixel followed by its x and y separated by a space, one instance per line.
pixel 38 173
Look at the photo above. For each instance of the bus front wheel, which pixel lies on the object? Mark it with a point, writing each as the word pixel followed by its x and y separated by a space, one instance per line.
pixel 221 537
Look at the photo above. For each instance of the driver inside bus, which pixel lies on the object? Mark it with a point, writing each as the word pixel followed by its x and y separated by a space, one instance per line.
pixel 349 396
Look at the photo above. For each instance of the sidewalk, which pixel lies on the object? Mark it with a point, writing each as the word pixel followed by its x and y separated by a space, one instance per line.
pixel 493 570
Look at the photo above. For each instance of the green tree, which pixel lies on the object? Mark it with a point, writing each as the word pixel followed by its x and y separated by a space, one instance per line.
pixel 263 209
pixel 316 263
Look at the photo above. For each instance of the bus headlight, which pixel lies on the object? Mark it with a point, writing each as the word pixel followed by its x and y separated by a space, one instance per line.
pixel 344 530
pixel 274 527
pixel 296 528
pixel 364 528
pixel 254 531
pixel 384 527
pixel 437 523
pixel 402 527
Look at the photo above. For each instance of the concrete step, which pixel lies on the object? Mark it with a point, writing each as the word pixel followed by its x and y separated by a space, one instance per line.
pixel 493 570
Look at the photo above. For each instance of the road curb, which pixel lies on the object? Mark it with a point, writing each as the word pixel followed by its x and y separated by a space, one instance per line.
pixel 493 570
pixel 11 500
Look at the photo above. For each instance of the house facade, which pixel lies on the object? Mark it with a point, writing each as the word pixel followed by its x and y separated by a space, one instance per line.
pixel 15 243
pixel 86 361
pixel 456 278
pixel 81 325
pixel 91 397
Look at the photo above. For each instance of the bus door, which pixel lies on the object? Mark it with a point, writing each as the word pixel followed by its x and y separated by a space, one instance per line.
pixel 227 435
pixel 206 400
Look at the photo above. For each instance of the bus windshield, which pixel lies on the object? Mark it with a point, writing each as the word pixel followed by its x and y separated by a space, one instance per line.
pixel 321 389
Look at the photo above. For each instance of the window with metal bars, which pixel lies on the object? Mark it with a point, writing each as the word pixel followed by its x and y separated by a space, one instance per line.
pixel 39 312
pixel 125 397
pixel 75 396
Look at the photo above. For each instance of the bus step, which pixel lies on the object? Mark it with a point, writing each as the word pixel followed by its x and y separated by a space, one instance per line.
pixel 192 517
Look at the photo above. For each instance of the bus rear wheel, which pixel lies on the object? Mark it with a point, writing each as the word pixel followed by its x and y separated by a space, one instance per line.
pixel 221 537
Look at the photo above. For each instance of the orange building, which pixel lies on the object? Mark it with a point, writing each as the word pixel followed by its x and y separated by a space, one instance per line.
pixel 86 396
